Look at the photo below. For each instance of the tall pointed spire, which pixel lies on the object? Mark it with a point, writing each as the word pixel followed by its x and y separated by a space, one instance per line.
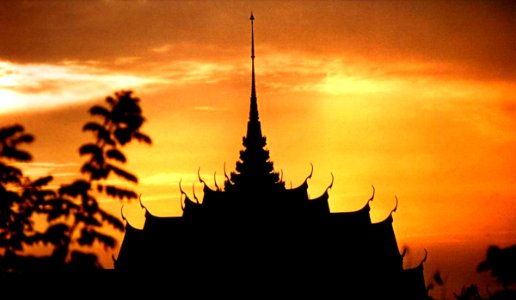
pixel 253 86
pixel 254 170
pixel 254 130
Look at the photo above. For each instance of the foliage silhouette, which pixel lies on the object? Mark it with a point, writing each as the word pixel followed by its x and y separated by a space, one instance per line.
pixel 502 264
pixel 469 293
pixel 19 197
pixel 120 124
pixel 75 219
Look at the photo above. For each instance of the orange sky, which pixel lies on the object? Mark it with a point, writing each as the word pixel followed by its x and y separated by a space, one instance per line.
pixel 417 98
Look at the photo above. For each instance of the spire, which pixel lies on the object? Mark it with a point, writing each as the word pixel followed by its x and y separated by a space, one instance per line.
pixel 253 86
pixel 254 130
pixel 254 168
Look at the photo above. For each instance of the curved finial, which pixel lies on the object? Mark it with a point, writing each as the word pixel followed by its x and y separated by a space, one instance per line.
pixel 199 175
pixel 140 200
pixel 424 258
pixel 396 206
pixel 404 252
pixel 215 180
pixel 331 183
pixel 181 187
pixel 372 196
pixel 122 213
pixel 226 174
pixel 193 190
pixel 311 172
pixel 181 196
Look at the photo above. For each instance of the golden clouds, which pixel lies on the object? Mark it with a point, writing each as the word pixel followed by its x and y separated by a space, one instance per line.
pixel 40 86
pixel 416 98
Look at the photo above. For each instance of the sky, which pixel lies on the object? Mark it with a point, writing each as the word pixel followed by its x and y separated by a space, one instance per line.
pixel 417 98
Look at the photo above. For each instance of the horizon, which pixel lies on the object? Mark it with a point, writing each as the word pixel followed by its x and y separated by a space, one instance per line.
pixel 427 116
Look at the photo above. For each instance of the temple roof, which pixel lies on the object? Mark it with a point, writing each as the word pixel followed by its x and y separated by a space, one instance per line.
pixel 254 225
pixel 132 247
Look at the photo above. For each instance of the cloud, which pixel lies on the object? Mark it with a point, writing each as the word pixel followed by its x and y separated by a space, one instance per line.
pixel 168 179
pixel 127 60
pixel 162 49
pixel 37 86
pixel 40 169
pixel 183 72
pixel 340 84
pixel 301 72
pixel 42 86
pixel 478 36
pixel 27 86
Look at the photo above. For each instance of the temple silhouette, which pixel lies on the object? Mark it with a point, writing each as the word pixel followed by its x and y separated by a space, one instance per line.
pixel 255 225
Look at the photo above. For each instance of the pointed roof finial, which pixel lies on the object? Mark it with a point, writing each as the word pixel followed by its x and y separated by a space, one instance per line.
pixel 254 130
pixel 253 114
pixel 252 35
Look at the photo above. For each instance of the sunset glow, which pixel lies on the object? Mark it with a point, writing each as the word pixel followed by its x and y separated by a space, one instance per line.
pixel 416 98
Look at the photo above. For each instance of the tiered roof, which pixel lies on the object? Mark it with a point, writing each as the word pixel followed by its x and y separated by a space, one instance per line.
pixel 255 224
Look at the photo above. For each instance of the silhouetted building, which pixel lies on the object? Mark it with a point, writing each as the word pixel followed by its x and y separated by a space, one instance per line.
pixel 255 225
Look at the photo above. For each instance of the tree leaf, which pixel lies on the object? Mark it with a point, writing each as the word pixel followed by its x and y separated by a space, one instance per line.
pixel 142 138
pixel 9 174
pixel 15 154
pixel 87 237
pixel 87 219
pixel 133 121
pixel 116 155
pixel 57 234
pixel 111 219
pixel 42 181
pixel 90 204
pixel 122 173
pixel 105 239
pixel 24 138
pixel 95 172
pixel 101 132
pixel 7 132
pixel 92 149
pixel 111 100
pixel 78 187
pixel 123 135
pixel 120 193
pixel 98 110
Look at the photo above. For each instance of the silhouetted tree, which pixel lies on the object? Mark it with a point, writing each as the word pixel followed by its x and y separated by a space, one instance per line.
pixel 502 264
pixel 75 219
pixel 19 199
pixel 469 293
pixel 74 215
pixel 436 282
